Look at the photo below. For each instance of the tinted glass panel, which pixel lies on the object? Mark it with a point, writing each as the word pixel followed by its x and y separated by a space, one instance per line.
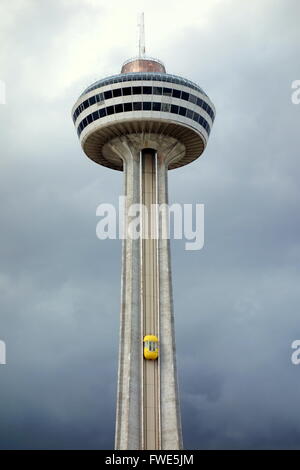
pixel 189 114
pixel 137 106
pixel 118 108
pixel 176 93
pixel 127 91
pixel 157 90
pixel 182 111
pixel 156 106
pixel 137 90
pixel 166 107
pixel 146 105
pixel 127 106
pixel 174 109
pixel 147 90
pixel 99 97
pixel 167 91
pixel 107 95
pixel 185 96
pixel 116 92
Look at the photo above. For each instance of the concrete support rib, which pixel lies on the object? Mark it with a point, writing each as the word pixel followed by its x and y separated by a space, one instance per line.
pixel 129 377
pixel 148 414
pixel 171 430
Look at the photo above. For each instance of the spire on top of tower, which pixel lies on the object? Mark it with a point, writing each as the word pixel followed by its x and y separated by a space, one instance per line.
pixel 142 63
pixel 141 24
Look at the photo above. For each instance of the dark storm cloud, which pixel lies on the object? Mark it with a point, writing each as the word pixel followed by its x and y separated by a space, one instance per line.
pixel 243 286
pixel 59 285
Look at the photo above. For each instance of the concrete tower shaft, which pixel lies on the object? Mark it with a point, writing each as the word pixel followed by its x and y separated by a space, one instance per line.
pixel 148 415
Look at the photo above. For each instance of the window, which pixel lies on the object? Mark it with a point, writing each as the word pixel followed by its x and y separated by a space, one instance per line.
pixel 156 106
pixel 89 118
pixel 193 99
pixel 147 90
pixel 174 109
pixel 127 106
pixel 196 117
pixel 119 108
pixel 199 102
pixel 127 91
pixel 99 98
pixel 201 120
pixel 189 114
pixel 102 112
pixel 166 107
pixel 110 110
pixel 185 96
pixel 137 106
pixel 92 100
pixel 167 91
pixel 107 95
pixel 117 92
pixel 176 93
pixel 151 345
pixel 157 90
pixel 95 115
pixel 147 105
pixel 182 111
pixel 137 90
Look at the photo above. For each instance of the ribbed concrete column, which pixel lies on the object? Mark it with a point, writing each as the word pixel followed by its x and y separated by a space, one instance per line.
pixel 170 408
pixel 128 416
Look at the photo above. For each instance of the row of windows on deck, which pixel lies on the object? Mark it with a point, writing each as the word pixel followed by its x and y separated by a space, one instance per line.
pixel 143 106
pixel 142 90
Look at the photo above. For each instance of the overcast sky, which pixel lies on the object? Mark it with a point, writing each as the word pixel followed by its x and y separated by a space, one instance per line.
pixel 236 300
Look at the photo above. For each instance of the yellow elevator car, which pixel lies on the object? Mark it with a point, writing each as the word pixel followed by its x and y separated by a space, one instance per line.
pixel 150 347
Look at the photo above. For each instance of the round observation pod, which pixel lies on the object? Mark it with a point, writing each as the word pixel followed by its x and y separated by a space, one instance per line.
pixel 143 100
pixel 150 347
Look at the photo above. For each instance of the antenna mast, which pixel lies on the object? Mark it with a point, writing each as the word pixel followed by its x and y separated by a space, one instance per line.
pixel 141 24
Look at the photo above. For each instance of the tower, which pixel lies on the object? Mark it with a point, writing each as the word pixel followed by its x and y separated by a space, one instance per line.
pixel 145 122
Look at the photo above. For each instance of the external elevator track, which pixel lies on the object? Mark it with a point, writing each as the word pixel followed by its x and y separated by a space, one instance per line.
pixel 151 435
